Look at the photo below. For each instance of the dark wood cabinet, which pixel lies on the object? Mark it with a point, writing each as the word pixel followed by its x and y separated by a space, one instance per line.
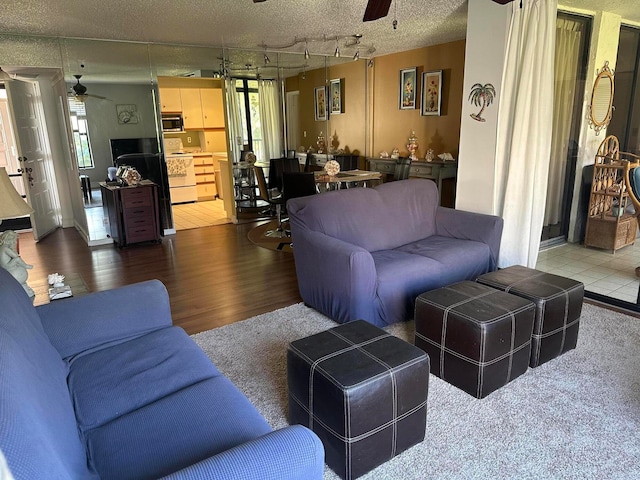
pixel 132 213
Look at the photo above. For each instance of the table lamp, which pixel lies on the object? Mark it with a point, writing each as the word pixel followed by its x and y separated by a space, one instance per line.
pixel 12 205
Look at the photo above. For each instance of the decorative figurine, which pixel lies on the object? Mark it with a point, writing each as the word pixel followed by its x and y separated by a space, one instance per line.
pixel 395 153
pixel 430 155
pixel 412 146
pixel 11 261
pixel 384 154
pixel 332 168
pixel 320 143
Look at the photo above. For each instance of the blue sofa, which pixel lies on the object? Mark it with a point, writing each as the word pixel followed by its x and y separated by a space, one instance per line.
pixel 103 386
pixel 367 253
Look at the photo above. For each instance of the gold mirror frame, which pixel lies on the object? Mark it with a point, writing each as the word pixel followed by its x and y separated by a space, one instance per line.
pixel 601 106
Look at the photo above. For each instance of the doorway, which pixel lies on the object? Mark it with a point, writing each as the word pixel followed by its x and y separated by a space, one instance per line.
pixel 572 36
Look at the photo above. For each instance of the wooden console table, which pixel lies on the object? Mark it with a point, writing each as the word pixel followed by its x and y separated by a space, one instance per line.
pixel 437 170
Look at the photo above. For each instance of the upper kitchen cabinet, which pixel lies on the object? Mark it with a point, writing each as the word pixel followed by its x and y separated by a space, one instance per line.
pixel 170 100
pixel 191 108
pixel 212 107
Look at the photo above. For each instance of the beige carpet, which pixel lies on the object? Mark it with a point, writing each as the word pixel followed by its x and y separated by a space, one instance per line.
pixel 575 417
pixel 258 237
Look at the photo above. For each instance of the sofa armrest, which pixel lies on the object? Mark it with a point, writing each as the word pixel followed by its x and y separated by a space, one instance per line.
pixel 471 226
pixel 336 278
pixel 293 452
pixel 80 323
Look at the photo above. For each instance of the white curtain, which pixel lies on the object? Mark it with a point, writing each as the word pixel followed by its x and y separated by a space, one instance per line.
pixel 270 119
pixel 566 67
pixel 524 129
pixel 234 120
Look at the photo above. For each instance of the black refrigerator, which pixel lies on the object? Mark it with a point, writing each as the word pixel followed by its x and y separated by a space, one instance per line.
pixel 144 155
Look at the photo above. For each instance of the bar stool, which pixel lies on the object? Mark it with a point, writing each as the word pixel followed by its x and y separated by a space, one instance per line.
pixel 85 183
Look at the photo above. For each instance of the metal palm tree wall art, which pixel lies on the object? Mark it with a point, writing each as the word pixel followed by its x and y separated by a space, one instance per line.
pixel 481 95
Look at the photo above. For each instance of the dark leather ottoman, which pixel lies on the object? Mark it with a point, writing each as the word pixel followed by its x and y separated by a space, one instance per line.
pixel 362 391
pixel 558 303
pixel 478 338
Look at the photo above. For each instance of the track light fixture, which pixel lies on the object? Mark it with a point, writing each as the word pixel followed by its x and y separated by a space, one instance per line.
pixel 267 60
pixel 350 43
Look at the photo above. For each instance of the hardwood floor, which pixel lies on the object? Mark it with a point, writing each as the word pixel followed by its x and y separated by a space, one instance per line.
pixel 214 275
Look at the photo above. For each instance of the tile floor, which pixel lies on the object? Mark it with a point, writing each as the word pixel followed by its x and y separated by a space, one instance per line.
pixel 199 214
pixel 601 271
pixel 186 216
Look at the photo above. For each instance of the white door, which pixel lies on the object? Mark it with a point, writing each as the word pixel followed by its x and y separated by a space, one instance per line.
pixel 8 152
pixel 33 154
pixel 293 125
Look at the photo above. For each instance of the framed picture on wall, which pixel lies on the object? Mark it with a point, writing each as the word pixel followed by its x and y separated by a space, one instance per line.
pixel 335 92
pixel 321 103
pixel 431 93
pixel 407 89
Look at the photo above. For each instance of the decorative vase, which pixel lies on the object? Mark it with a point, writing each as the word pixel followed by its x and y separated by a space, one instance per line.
pixel 412 146
pixel 320 143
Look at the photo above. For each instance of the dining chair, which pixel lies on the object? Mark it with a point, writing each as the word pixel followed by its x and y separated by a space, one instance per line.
pixel 298 184
pixel 269 196
pixel 347 162
pixel 402 169
pixel 277 166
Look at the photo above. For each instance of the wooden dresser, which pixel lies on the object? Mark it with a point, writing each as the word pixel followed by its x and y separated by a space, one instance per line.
pixel 132 212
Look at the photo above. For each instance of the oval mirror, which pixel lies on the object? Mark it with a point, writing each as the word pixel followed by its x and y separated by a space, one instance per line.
pixel 602 99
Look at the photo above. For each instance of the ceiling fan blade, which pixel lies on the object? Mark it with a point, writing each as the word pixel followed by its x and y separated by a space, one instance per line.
pixel 503 2
pixel 376 9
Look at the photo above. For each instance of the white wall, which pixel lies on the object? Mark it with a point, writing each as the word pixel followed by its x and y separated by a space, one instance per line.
pixel 487 25
pixel 103 121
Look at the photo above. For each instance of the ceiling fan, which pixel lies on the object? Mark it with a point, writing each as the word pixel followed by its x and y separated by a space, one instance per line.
pixel 80 91
pixel 380 8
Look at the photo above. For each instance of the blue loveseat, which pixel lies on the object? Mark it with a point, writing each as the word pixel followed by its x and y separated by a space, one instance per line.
pixel 367 253
pixel 103 386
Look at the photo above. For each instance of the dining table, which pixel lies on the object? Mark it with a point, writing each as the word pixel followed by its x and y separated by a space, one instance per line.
pixel 347 178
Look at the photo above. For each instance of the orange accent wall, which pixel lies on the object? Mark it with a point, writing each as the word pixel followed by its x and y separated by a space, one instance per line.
pixel 387 125
pixel 392 126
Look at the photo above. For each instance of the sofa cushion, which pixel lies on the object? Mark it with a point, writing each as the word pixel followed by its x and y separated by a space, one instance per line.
pixel 380 218
pixel 463 258
pixel 114 381
pixel 39 432
pixel 197 422
pixel 401 272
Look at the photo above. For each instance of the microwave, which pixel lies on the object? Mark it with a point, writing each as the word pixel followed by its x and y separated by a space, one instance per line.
pixel 172 122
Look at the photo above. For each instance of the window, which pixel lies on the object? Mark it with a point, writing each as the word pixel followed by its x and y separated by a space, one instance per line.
pixel 625 122
pixel 249 106
pixel 80 130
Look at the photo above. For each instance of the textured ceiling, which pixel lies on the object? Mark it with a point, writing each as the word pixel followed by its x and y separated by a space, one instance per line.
pixel 239 24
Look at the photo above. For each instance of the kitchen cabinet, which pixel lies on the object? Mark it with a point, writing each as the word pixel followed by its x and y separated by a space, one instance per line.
pixel 205 176
pixel 215 141
pixel 170 100
pixel 132 212
pixel 212 107
pixel 191 108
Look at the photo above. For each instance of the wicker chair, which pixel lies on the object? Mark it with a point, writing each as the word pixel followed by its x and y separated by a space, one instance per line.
pixel 631 163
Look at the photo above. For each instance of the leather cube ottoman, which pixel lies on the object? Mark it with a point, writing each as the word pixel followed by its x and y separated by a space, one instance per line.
pixel 558 302
pixel 362 391
pixel 478 338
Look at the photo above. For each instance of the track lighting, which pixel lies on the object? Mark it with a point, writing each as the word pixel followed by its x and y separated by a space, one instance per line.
pixel 350 43
pixel 267 60
pixel 370 63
